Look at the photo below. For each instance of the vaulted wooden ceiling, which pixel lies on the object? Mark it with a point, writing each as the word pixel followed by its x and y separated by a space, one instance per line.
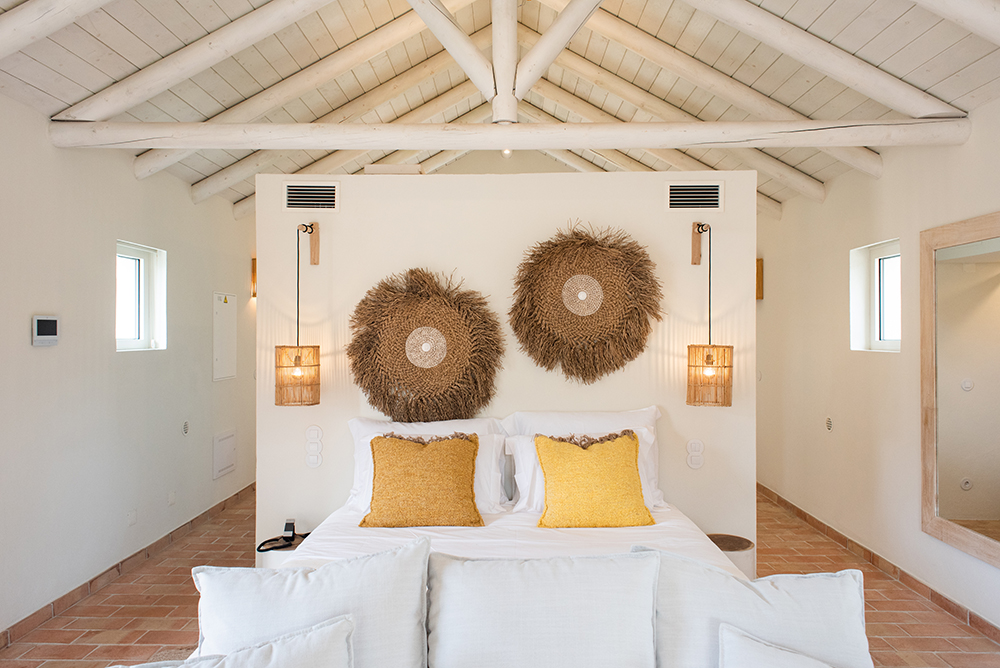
pixel 220 90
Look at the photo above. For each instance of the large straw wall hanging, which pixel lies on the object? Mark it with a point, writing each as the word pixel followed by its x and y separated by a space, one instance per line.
pixel 584 301
pixel 423 349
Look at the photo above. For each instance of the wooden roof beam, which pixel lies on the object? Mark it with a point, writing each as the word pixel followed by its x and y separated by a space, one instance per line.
pixel 557 36
pixel 190 60
pixel 783 173
pixel 453 38
pixel 715 82
pixel 572 160
pixel 324 70
pixel 37 19
pixel 980 17
pixel 258 161
pixel 504 27
pixel 827 58
pixel 395 136
pixel 441 159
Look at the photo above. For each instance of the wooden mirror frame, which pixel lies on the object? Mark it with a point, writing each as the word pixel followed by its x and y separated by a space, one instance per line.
pixel 946 236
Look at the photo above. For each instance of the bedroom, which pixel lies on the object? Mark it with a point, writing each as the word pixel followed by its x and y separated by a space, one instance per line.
pixel 862 478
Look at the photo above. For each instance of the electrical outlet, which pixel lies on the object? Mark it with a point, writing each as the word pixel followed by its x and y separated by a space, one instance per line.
pixel 132 517
pixel 171 498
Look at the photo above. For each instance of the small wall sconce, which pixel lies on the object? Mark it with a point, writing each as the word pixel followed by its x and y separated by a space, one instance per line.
pixel 296 368
pixel 710 368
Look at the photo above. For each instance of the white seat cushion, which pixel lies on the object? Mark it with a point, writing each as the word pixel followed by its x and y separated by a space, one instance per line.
pixel 740 650
pixel 385 594
pixel 821 615
pixel 564 611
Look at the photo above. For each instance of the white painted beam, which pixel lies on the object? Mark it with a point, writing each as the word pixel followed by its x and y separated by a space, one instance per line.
pixel 571 159
pixel 504 13
pixel 538 59
pixel 190 60
pixel 394 136
pixel 664 111
pixel 444 26
pixel 441 159
pixel 713 81
pixel 258 161
pixel 329 68
pixel 980 17
pixel 37 19
pixel 827 58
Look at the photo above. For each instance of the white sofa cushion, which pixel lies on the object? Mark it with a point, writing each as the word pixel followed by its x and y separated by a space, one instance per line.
pixel 563 611
pixel 385 594
pixel 820 615
pixel 325 645
pixel 741 650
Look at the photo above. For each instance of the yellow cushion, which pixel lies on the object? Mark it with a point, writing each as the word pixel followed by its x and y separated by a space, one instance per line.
pixel 423 484
pixel 594 487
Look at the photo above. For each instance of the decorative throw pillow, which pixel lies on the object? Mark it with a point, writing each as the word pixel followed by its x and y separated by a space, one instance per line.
pixel 555 612
pixel 385 593
pixel 594 487
pixel 424 484
pixel 821 615
pixel 325 645
pixel 742 650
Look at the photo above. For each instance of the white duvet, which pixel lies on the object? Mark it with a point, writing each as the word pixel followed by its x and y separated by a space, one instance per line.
pixel 508 535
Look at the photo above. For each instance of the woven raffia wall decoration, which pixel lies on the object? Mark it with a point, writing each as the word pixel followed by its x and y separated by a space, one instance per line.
pixel 423 349
pixel 584 300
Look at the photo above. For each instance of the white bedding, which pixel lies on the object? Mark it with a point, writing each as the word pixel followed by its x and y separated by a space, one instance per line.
pixel 508 535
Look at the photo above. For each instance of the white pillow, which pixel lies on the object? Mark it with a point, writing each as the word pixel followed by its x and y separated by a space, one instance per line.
pixel 740 650
pixel 325 645
pixel 821 615
pixel 562 611
pixel 530 480
pixel 488 485
pixel 592 423
pixel 385 594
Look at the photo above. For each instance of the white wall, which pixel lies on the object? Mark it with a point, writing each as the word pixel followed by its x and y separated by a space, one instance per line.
pixel 88 434
pixel 479 227
pixel 863 478
pixel 968 319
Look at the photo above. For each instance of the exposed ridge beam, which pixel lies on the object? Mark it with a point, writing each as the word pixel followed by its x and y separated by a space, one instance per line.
pixel 334 161
pixel 980 17
pixel 765 205
pixel 258 161
pixel 444 26
pixel 572 160
pixel 504 26
pixel 394 136
pixel 328 68
pixel 37 19
pixel 557 36
pixel 713 81
pixel 190 60
pixel 664 111
pixel 827 58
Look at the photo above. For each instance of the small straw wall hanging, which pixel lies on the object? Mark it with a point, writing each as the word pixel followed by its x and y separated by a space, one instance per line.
pixel 585 301
pixel 710 368
pixel 296 368
pixel 423 349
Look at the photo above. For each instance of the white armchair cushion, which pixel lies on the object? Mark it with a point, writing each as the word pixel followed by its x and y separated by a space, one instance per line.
pixel 740 650
pixel 385 594
pixel 325 645
pixel 547 613
pixel 820 615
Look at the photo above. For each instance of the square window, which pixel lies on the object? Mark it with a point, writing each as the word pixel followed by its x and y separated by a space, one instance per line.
pixel 876 297
pixel 140 297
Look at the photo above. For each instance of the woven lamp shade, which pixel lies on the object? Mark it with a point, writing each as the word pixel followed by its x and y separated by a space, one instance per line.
pixel 710 375
pixel 296 375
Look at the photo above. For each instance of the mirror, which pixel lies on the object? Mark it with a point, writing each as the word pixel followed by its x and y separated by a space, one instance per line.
pixel 960 384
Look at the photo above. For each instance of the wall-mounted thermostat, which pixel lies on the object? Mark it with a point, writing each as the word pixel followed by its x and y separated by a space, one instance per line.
pixel 44 330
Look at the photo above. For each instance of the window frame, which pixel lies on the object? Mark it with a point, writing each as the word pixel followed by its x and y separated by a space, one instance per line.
pixel 152 292
pixel 877 254
pixel 866 296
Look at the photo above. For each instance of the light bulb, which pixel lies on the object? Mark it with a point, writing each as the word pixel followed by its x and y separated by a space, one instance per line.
pixel 297 372
pixel 709 371
pixel 506 153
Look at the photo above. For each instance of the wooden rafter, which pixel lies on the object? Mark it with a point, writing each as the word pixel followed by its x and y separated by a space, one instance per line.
pixel 444 26
pixel 980 17
pixel 37 19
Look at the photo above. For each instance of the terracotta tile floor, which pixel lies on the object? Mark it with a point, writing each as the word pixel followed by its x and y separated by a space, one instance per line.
pixel 151 612
pixel 904 628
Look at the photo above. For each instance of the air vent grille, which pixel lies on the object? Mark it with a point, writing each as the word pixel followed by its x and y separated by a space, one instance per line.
pixel 322 196
pixel 696 196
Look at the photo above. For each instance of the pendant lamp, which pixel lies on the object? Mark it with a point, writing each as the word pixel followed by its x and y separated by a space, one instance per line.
pixel 710 367
pixel 296 368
